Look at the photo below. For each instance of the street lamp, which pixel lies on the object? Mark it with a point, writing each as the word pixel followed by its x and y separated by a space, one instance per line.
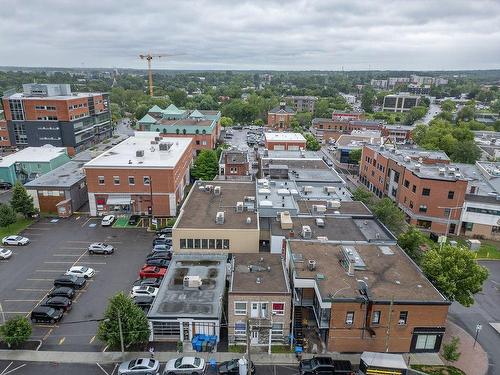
pixel 479 327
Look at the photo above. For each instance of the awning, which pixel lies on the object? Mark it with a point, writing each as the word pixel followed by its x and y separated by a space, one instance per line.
pixel 118 200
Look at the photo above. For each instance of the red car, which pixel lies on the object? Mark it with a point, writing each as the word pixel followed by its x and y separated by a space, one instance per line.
pixel 151 271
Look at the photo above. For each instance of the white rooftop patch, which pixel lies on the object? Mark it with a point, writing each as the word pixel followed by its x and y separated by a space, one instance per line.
pixel 287 137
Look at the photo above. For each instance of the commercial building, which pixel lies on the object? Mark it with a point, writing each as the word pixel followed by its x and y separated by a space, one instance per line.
pixel 62 191
pixel 145 174
pixel 330 130
pixel 218 216
pixel 419 89
pixel 4 132
pixel 201 125
pixel 284 141
pixel 402 102
pixel 302 103
pixel 189 301
pixel 259 296
pixel 354 141
pixel 234 164
pixel 31 162
pixel 280 117
pixel 53 114
pixel 363 297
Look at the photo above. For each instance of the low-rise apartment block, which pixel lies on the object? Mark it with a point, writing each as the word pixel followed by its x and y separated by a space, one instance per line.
pixel 145 174
pixel 234 164
pixel 302 103
pixel 284 141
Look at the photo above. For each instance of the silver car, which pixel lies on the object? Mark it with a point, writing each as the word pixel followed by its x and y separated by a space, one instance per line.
pixel 5 253
pixel 185 365
pixel 140 366
pixel 101 248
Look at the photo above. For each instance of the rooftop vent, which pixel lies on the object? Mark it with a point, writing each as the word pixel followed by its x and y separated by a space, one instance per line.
pixel 249 220
pixel 209 187
pixel 442 171
pixel 139 154
pixel 307 189
pixel 322 239
pixel 219 218
pixel 239 206
pixel 320 222
pixel 333 204
pixel 319 208
pixel 192 281
pixel 407 159
pixel 306 232
pixel 217 190
pixel 311 264
pixel 201 188
pixel 329 189
pixel 157 139
pixel 417 166
pixel 165 146
pixel 258 280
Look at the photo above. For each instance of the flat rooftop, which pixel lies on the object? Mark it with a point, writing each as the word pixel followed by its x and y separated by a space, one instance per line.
pixel 284 137
pixel 64 176
pixel 389 272
pixel 43 154
pixel 258 273
pixel 346 207
pixel 125 154
pixel 73 95
pixel 176 300
pixel 202 205
pixel 290 154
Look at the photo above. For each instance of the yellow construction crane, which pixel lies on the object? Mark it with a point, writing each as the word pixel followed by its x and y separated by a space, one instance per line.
pixel 149 57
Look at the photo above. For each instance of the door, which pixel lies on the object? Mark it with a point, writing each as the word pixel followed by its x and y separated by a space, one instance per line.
pixel 185 331
pixel 254 312
pixel 254 338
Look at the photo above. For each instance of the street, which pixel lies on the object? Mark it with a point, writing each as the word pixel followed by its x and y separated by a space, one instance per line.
pixel 434 110
pixel 485 310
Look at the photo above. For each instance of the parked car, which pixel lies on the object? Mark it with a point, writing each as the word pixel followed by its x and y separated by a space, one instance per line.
pixel 160 255
pixel 323 365
pixel 62 291
pixel 70 281
pixel 139 366
pixel 232 367
pixel 108 220
pixel 134 220
pixel 46 314
pixel 143 291
pixel 81 271
pixel 158 262
pixel 15 240
pixel 5 185
pixel 161 247
pixel 166 230
pixel 5 253
pixel 152 271
pixel 58 303
pixel 150 281
pixel 185 365
pixel 144 302
pixel 101 248
pixel 162 241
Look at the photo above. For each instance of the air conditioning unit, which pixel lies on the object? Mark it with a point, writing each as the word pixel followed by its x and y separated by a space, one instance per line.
pixel 319 208
pixel 329 189
pixel 209 187
pixel 219 218
pixel 217 190
pixel 333 204
pixel 401 322
pixel 192 281
pixel 311 264
pixel 239 206
pixel 320 222
pixel 306 232
pixel 307 189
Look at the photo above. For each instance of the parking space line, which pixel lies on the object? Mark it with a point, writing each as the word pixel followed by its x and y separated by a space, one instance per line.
pixel 114 369
pixel 74 263
pixel 85 223
pixel 14 369
pixel 47 334
pixel 98 365
pixel 39 279
pixel 92 340
pixel 33 290
pixel 61 341
pixel 20 300
pixel 65 255
pixel 10 364
pixel 72 248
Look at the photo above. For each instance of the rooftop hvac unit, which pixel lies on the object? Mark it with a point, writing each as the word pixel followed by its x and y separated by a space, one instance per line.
pixel 249 198
pixel 319 208
pixel 442 171
pixel 209 187
pixel 219 218
pixel 286 220
pixel 451 170
pixel 458 175
pixel 407 159
pixel 417 166
pixel 264 191
pixel 139 154
pixel 311 264
pixel 165 146
pixel 201 188
pixel 333 204
pixel 261 181
pixel 330 189
pixel 322 238
pixel 192 281
pixel 306 232
pixel 307 189
pixel 320 222
pixel 239 206
pixel 217 190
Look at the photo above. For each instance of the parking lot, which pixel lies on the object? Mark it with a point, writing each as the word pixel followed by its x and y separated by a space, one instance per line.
pixel 56 245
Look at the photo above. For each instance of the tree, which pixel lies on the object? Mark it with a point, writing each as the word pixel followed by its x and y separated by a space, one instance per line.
pixel 206 165
pixel 388 213
pixel 135 327
pixel 7 215
pixel 226 121
pixel 178 97
pixel 15 331
pixel 466 152
pixel 141 111
pixel 21 202
pixel 448 105
pixel 311 142
pixel 355 156
pixel 363 195
pixel 450 350
pixel 454 271
pixel 304 119
pixel 367 99
pixel 466 113
pixel 414 114
pixel 116 112
pixel 411 241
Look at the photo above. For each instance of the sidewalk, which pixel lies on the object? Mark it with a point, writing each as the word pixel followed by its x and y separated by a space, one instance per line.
pixel 472 361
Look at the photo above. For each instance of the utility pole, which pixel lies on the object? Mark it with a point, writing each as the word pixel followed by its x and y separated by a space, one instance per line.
pixel 249 367
pixel 121 332
pixel 388 332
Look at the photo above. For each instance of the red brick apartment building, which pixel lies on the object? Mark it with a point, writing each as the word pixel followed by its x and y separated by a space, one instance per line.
pixel 280 117
pixel 234 163
pixel 144 174
pixel 285 141
pixel 422 183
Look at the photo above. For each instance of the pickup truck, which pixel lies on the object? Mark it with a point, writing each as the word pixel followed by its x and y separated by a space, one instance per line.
pixel 323 365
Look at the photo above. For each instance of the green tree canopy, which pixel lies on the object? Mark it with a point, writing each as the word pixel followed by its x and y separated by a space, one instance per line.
pixel 21 201
pixel 311 142
pixel 141 111
pixel 7 215
pixel 226 121
pixel 411 241
pixel 363 195
pixel 448 105
pixel 178 97
pixel 455 272
pixel 466 113
pixel 206 165
pixel 368 99
pixel 416 113
pixel 355 156
pixel 135 325
pixel 16 331
pixel 388 213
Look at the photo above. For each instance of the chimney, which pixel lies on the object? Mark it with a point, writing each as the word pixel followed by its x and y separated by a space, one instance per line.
pixel 282 105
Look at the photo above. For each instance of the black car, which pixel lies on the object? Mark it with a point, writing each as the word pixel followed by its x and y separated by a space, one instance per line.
pixel 144 302
pixel 71 281
pixel 5 185
pixel 62 291
pixel 324 366
pixel 159 262
pixel 58 303
pixel 134 220
pixel 46 314
pixel 162 241
pixel 150 281
pixel 166 230
pixel 231 367
pixel 159 255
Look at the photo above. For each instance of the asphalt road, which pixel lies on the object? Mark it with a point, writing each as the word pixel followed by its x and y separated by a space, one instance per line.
pixel 27 277
pixel 434 110
pixel 5 196
pixel 486 309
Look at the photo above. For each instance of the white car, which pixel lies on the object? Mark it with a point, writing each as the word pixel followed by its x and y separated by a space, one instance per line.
pixel 108 220
pixel 80 271
pixel 5 253
pixel 143 290
pixel 139 366
pixel 15 240
pixel 185 365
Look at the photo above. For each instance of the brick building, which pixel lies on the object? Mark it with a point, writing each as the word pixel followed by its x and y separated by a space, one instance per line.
pixel 52 114
pixel 422 183
pixel 144 174
pixel 302 103
pixel 284 141
pixel 234 163
pixel 280 117
pixel 332 129
pixel 203 126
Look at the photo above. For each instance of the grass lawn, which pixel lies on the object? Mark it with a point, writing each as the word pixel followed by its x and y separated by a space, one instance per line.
pixel 15 228
pixel 237 348
pixel 488 251
pixel 438 370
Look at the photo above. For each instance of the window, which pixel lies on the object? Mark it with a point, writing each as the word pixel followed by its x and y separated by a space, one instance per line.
pixel 218 244
pixel 426 342
pixel 131 180
pixel 451 194
pixel 204 143
pixel 190 243
pixel 240 308
pixel 349 317
pixel 240 328
pixel 426 191
pixel 407 183
pixel 279 308
pixel 197 243
pixel 204 243
pixel 116 180
pixel 403 317
pixel 411 204
pixel 414 188
pixel 447 212
pixel 376 317
pixel 146 180
pixel 422 208
pixel 211 243
pixel 197 142
pixel 277 329
pixel 225 244
pixel 183 243
pixel 100 180
pixel 495 229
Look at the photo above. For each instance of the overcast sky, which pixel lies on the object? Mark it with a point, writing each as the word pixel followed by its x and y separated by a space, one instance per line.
pixel 256 34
